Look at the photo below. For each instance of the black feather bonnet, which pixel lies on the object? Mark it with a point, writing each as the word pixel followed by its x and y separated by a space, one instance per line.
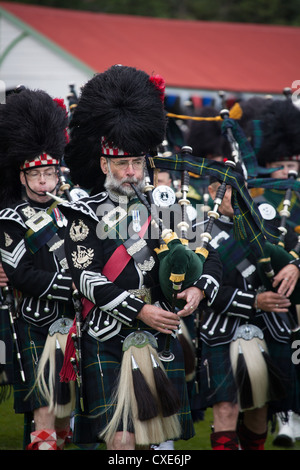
pixel 124 107
pixel 32 127
pixel 280 126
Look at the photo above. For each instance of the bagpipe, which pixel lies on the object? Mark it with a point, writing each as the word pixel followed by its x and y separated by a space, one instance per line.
pixel 248 221
pixel 180 266
pixel 257 378
pixel 272 256
pixel 275 255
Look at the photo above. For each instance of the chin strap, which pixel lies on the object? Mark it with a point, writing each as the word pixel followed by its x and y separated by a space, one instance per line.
pixel 35 192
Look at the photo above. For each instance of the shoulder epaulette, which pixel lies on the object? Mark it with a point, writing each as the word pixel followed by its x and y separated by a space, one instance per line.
pixel 13 215
pixel 87 206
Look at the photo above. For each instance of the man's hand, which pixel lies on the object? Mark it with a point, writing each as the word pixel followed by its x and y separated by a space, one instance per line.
pixel 192 296
pixel 165 321
pixel 269 301
pixel 286 279
pixel 159 319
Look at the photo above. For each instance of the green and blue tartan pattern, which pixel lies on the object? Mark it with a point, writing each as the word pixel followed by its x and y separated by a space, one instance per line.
pixel 274 183
pixel 217 382
pixel 248 222
pixel 36 240
pixel 247 153
pixel 101 366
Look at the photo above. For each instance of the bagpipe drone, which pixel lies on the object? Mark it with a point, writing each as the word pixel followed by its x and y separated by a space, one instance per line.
pixel 261 383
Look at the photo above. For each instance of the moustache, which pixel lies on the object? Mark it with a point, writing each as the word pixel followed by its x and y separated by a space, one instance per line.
pixel 132 180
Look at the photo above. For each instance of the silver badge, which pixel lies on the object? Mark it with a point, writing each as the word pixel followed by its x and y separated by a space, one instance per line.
pixel 78 193
pixel 136 220
pixel 137 246
pixel 83 257
pixel 8 239
pixel 139 339
pixel 28 211
pixel 62 326
pixel 147 265
pixel 163 196
pixel 267 211
pixel 247 332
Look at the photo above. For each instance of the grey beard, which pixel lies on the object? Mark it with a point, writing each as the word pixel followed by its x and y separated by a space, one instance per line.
pixel 114 185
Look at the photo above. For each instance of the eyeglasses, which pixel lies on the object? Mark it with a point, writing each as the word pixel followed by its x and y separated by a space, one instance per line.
pixel 124 164
pixel 36 174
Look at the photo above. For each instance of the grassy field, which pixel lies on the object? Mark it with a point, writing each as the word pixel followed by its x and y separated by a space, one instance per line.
pixel 11 433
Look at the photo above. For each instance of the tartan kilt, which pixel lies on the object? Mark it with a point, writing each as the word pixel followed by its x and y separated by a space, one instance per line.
pixel 217 382
pixel 216 377
pixel 32 340
pixel 101 366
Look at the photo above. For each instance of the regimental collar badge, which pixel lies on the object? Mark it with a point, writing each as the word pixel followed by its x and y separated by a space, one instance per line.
pixel 28 211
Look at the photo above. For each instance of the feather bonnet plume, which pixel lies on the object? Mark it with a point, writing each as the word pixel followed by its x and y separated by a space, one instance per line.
pixel 31 124
pixel 123 105
pixel 280 125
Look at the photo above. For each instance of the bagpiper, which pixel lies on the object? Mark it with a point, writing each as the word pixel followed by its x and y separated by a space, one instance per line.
pixel 33 136
pixel 130 397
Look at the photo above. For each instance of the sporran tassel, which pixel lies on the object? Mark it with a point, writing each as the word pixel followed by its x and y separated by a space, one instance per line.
pixel 146 403
pixel 5 387
pixel 243 382
pixel 127 397
pixel 60 396
pixel 167 394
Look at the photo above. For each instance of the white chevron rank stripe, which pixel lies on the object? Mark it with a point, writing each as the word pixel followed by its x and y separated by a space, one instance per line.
pixel 13 258
pixel 88 281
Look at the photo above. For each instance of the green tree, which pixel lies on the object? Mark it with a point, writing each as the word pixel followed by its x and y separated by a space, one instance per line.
pixel 284 12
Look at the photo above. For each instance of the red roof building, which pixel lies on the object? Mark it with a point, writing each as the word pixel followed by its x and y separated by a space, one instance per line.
pixel 190 55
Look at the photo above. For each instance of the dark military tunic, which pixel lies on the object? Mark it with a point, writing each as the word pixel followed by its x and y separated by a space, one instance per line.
pixel 234 306
pixel 35 265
